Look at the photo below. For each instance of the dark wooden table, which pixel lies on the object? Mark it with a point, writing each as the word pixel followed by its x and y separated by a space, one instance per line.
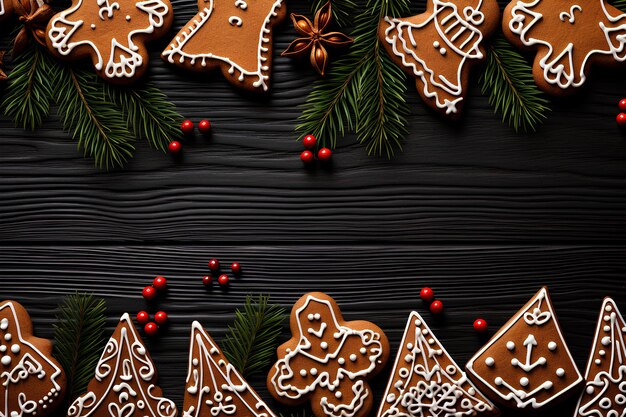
pixel 481 214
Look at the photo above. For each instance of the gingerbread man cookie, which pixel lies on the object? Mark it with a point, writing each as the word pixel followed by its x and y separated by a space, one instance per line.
pixel 439 47
pixel 234 35
pixel 214 387
pixel 527 364
pixel 33 382
pixel 605 378
pixel 328 360
pixel 113 33
pixel 124 384
pixel 425 380
pixel 569 37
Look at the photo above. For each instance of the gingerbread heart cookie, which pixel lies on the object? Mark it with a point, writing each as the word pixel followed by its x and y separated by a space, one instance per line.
pixel 328 360
pixel 233 35
pixel 439 47
pixel 112 33
pixel 33 382
pixel 569 37
pixel 527 364
pixel 124 384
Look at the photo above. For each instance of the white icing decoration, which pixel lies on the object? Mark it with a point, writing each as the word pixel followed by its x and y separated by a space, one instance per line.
pixel 523 381
pixel 4 324
pixel 490 361
pixel 569 16
pixel 235 21
pixel 6 360
pixel 606 341
pixel 324 345
pixel 552 346
pixel 241 4
pixel 8 337
pixel 510 345
pixel 353 358
pixel 363 351
pixel 560 372
pixel 15 348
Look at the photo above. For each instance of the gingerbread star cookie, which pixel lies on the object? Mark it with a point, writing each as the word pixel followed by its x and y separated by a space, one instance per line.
pixel 439 47
pixel 33 382
pixel 605 378
pixel 112 33
pixel 527 364
pixel 425 380
pixel 233 35
pixel 6 9
pixel 214 387
pixel 568 36
pixel 328 360
pixel 124 384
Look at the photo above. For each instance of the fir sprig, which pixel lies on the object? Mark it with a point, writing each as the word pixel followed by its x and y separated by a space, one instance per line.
pixel 251 341
pixel 343 11
pixel 508 82
pixel 620 4
pixel 78 339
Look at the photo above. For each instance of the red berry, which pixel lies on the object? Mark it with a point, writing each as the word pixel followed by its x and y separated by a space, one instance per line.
pixel 223 279
pixel 621 119
pixel 175 147
pixel 187 127
pixel 160 283
pixel 235 267
pixel 160 317
pixel 151 329
pixel 436 307
pixel 622 104
pixel 324 154
pixel 306 157
pixel 149 292
pixel 309 141
pixel 427 294
pixel 480 325
pixel 204 126
pixel 143 317
pixel 207 279
pixel 214 264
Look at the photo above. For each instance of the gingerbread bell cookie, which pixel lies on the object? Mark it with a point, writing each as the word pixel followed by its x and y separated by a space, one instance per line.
pixel 569 38
pixel 124 384
pixel 439 47
pixel 605 377
pixel 33 382
pixel 214 387
pixel 112 33
pixel 328 360
pixel 425 380
pixel 527 364
pixel 233 35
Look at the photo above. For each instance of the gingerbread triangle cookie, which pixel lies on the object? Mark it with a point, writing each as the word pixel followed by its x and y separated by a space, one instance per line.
pixel 33 382
pixel 125 381
pixel 425 380
pixel 214 387
pixel 527 364
pixel 605 386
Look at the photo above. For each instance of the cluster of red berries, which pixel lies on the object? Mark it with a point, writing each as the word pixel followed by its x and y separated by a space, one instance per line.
pixel 436 307
pixel 187 128
pixel 621 118
pixel 149 292
pixel 222 279
pixel 307 155
pixel 151 328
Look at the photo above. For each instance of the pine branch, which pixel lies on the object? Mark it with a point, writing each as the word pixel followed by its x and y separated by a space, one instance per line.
pixel 343 10
pixel 78 339
pixel 30 89
pixel 251 341
pixel 620 4
pixel 150 114
pixel 508 82
pixel 96 122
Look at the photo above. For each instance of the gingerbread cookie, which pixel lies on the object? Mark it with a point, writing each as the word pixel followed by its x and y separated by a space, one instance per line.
pixel 33 382
pixel 569 37
pixel 426 381
pixel 527 363
pixel 439 47
pixel 113 33
pixel 605 386
pixel 6 9
pixel 214 387
pixel 328 360
pixel 234 35
pixel 124 384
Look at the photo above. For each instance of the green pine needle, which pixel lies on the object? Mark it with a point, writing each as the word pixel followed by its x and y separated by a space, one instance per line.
pixel 78 340
pixel 342 10
pixel 149 112
pixel 93 119
pixel 251 341
pixel 29 92
pixel 508 82
pixel 620 4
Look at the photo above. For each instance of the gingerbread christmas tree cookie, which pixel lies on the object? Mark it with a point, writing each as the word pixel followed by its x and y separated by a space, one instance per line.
pixel 33 382
pixel 425 380
pixel 214 387
pixel 527 364
pixel 125 381
pixel 605 378
pixel 328 360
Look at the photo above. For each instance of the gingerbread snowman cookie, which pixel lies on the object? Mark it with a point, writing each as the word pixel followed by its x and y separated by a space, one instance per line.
pixel 328 360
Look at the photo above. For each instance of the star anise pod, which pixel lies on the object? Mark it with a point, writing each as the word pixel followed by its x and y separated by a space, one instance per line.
pixel 34 18
pixel 314 40
pixel 3 75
